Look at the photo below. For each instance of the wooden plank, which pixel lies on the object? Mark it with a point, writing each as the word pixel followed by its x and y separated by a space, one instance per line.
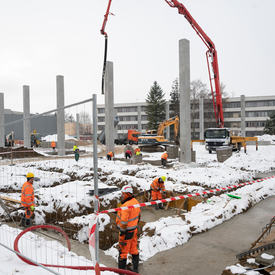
pixel 10 199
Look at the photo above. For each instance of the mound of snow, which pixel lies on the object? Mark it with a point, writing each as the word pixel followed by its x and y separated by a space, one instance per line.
pixel 54 138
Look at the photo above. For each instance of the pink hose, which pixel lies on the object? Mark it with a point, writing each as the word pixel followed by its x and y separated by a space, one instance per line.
pixel 117 270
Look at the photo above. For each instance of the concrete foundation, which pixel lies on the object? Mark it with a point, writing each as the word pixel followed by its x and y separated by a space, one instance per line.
pixel 173 152
pixel 136 159
pixel 223 153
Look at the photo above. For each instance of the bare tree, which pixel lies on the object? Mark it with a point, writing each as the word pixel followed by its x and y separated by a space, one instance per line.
pixel 85 123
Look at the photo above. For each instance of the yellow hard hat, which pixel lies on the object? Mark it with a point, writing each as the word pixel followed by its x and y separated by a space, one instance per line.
pixel 163 178
pixel 30 175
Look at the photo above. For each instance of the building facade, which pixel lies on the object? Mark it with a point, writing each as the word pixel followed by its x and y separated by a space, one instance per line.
pixel 44 125
pixel 257 111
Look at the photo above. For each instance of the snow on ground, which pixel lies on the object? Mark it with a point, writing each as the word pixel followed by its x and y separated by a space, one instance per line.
pixel 270 138
pixel 76 178
pixel 238 269
pixel 39 250
pixel 50 138
pixel 13 177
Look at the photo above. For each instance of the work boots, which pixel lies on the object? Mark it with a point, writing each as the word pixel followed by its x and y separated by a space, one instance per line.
pixel 135 261
pixel 122 263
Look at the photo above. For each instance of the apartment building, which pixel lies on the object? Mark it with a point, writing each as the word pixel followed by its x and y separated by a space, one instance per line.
pixel 257 111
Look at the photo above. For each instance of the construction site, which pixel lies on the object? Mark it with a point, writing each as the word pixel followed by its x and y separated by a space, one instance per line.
pixel 82 201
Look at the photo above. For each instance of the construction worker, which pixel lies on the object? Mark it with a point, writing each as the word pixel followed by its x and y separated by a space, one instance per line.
pixel 137 151
pixel 164 158
pixel 157 189
pixel 53 145
pixel 127 223
pixel 27 200
pixel 128 154
pixel 76 152
pixel 110 155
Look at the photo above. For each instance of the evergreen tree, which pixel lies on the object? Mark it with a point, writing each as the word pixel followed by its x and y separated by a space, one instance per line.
pixel 270 125
pixel 175 99
pixel 155 108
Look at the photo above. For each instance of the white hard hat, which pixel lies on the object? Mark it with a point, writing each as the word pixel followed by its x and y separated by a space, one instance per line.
pixel 127 189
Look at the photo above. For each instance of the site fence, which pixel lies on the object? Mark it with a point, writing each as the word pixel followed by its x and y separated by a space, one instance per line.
pixel 62 186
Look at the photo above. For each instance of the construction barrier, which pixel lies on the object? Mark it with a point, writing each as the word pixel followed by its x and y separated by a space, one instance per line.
pixel 204 193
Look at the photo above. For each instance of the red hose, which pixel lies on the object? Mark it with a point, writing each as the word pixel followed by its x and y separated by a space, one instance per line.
pixel 117 270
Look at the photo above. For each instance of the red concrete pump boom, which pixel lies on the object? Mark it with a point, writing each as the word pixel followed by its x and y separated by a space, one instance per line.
pixel 211 57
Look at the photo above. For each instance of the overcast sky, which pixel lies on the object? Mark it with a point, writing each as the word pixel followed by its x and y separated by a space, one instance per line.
pixel 43 38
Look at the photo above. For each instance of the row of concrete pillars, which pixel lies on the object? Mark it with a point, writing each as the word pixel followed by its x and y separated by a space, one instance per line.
pixel 27 117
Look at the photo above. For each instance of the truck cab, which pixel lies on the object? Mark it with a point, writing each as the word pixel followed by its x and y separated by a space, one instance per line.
pixel 216 137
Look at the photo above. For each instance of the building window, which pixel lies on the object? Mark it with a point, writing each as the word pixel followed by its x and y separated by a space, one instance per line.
pixel 232 104
pixel 232 114
pixel 255 124
pixel 128 118
pixel 260 103
pixel 101 119
pixel 143 117
pixel 258 113
pixel 101 110
pixel 126 109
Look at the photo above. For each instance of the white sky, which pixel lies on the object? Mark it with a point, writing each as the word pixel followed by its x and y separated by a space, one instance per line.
pixel 41 39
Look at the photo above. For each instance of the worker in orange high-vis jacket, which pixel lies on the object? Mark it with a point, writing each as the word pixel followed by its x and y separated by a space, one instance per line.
pixel 27 200
pixel 164 158
pixel 127 223
pixel 157 189
pixel 110 155
pixel 53 145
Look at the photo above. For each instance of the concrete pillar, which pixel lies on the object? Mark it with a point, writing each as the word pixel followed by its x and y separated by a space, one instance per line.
pixel 2 121
pixel 60 115
pixel 26 116
pixel 77 127
pixel 243 115
pixel 184 90
pixel 109 107
pixel 201 118
pixel 139 118
pixel 167 110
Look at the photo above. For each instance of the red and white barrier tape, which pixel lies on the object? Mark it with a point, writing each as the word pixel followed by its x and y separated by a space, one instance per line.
pixel 207 192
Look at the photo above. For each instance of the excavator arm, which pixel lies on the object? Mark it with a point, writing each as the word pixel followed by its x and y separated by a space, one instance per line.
pixel 171 121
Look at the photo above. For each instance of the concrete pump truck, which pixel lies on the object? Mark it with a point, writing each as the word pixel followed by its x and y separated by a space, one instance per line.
pixel 214 137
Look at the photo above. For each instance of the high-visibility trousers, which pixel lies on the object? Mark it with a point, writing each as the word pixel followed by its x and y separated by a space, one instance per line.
pixel 156 195
pixel 28 213
pixel 128 246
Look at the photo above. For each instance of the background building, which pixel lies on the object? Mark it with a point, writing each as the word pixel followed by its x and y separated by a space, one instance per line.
pixel 257 111
pixel 45 125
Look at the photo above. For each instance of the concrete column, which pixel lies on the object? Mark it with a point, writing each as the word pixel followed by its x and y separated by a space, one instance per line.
pixel 167 110
pixel 77 127
pixel 243 115
pixel 2 121
pixel 60 115
pixel 184 90
pixel 201 118
pixel 109 107
pixel 139 119
pixel 26 116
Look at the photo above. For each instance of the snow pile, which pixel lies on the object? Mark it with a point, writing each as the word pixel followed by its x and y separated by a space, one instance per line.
pixel 238 269
pixel 270 138
pixel 50 138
